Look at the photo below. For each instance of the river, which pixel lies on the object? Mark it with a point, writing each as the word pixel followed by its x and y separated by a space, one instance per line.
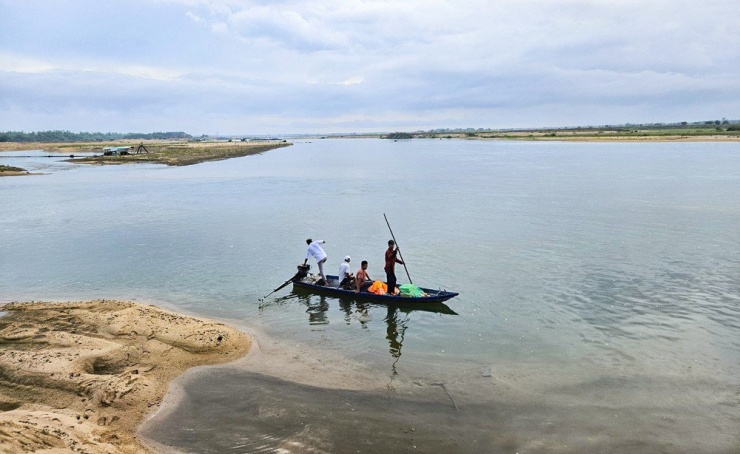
pixel 599 285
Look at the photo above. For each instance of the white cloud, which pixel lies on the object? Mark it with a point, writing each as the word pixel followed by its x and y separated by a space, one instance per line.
pixel 353 81
pixel 18 64
pixel 197 19
pixel 21 64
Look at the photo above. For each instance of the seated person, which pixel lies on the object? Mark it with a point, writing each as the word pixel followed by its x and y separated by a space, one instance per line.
pixel 345 276
pixel 362 279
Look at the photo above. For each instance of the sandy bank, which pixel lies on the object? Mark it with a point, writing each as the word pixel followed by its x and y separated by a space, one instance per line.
pixel 171 153
pixel 10 171
pixel 188 153
pixel 81 376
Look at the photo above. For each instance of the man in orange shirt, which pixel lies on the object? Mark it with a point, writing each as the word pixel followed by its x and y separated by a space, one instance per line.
pixel 390 266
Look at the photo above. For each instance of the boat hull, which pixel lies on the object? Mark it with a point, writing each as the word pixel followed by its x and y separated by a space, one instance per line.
pixel 435 296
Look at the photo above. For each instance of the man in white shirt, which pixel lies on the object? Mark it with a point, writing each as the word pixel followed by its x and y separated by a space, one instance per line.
pixel 345 273
pixel 314 250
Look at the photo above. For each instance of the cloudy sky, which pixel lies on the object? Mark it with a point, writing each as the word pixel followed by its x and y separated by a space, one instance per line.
pixel 320 66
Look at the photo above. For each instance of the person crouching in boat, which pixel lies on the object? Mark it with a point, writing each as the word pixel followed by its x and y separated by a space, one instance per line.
pixel 362 279
pixel 391 258
pixel 346 278
pixel 314 250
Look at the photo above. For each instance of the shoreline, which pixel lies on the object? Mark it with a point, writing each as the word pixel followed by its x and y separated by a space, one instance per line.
pixel 620 139
pixel 10 171
pixel 85 375
pixel 171 153
pixel 237 149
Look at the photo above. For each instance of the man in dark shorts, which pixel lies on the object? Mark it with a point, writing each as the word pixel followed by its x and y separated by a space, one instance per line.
pixel 390 266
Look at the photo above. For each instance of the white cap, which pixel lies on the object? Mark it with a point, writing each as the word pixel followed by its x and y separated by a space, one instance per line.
pixel 347 259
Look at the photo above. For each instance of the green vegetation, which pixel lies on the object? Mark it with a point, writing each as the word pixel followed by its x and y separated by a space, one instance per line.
pixel 68 136
pixel 399 135
pixel 713 129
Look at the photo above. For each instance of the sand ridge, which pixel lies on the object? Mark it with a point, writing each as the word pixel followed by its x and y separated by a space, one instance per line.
pixel 81 376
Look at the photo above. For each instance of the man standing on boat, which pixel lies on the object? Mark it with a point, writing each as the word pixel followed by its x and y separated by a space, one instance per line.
pixel 314 250
pixel 390 266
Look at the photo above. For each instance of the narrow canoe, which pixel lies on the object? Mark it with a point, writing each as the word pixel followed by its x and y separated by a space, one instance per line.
pixel 434 296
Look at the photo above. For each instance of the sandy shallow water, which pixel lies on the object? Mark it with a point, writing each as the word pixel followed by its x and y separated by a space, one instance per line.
pixel 291 399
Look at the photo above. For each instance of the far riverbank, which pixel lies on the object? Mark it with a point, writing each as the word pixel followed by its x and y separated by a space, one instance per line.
pixel 554 136
pixel 172 153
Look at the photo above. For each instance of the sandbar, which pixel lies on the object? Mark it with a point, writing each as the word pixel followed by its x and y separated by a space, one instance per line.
pixel 82 376
pixel 10 171
pixel 171 153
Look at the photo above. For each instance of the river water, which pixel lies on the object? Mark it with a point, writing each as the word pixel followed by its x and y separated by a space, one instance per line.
pixel 599 284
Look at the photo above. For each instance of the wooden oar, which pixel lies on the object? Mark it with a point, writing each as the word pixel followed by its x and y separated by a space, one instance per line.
pixel 279 288
pixel 399 249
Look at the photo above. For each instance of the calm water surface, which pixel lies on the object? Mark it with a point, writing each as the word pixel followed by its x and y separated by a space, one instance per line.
pixel 602 277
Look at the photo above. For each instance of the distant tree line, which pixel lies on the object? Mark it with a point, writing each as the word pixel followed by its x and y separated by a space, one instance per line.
pixel 68 136
pixel 731 125
pixel 399 135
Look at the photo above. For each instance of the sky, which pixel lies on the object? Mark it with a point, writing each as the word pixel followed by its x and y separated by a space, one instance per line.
pixel 259 67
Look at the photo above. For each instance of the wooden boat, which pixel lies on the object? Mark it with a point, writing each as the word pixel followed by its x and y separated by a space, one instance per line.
pixel 433 296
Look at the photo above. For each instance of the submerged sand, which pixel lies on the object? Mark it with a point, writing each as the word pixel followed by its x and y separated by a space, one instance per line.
pixel 81 376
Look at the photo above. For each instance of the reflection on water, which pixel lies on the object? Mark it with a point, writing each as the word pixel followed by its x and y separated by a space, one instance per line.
pixel 395 333
pixel 317 312
pixel 397 317
pixel 354 310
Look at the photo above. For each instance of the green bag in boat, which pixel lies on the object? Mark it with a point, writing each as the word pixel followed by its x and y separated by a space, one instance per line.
pixel 410 290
